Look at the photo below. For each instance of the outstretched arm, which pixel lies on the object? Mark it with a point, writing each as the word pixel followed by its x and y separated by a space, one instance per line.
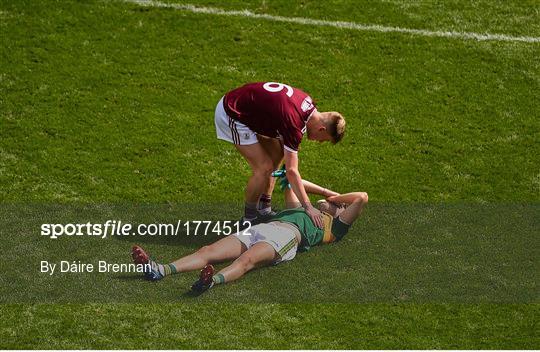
pixel 313 188
pixel 291 162
pixel 292 201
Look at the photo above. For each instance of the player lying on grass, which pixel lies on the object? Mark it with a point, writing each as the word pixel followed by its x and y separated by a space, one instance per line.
pixel 269 243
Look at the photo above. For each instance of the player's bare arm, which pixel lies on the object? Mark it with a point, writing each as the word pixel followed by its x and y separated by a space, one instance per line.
pixel 355 201
pixel 312 188
pixel 347 207
pixel 295 180
pixel 291 200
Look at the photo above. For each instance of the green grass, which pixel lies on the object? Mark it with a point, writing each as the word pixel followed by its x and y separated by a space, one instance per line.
pixel 110 105
pixel 430 119
pixel 396 253
pixel 270 326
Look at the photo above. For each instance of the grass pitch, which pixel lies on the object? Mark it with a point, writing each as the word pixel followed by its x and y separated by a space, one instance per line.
pixel 107 102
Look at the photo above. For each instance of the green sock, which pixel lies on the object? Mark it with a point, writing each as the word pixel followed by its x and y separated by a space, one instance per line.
pixel 218 279
pixel 169 269
pixel 163 269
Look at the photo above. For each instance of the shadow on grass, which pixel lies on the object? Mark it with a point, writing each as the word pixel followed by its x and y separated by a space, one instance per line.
pixel 133 277
pixel 189 294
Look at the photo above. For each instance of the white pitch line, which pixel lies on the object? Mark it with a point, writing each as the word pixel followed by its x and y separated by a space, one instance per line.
pixel 337 24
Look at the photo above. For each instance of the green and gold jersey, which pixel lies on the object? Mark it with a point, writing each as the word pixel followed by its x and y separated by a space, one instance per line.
pixel 334 229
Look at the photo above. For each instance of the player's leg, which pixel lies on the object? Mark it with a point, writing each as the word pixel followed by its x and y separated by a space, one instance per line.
pixel 260 254
pixel 226 249
pixel 267 243
pixel 245 141
pixel 153 270
pixel 274 149
pixel 261 167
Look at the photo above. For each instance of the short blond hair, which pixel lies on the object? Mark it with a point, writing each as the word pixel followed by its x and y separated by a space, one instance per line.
pixel 335 125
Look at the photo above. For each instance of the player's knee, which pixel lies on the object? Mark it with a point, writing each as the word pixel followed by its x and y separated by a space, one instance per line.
pixel 246 263
pixel 204 251
pixel 276 164
pixel 277 160
pixel 264 167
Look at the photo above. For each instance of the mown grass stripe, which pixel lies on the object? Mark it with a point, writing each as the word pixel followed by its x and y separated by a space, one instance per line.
pixel 340 24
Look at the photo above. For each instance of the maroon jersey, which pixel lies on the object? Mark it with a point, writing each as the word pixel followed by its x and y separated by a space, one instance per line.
pixel 271 109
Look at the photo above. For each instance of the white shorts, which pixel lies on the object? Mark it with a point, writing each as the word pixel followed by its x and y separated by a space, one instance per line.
pixel 231 130
pixel 282 239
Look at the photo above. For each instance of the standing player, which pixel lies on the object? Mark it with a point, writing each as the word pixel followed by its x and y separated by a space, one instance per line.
pixel 266 123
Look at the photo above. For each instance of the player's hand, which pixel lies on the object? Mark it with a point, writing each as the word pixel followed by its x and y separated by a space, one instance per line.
pixel 332 198
pixel 315 216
